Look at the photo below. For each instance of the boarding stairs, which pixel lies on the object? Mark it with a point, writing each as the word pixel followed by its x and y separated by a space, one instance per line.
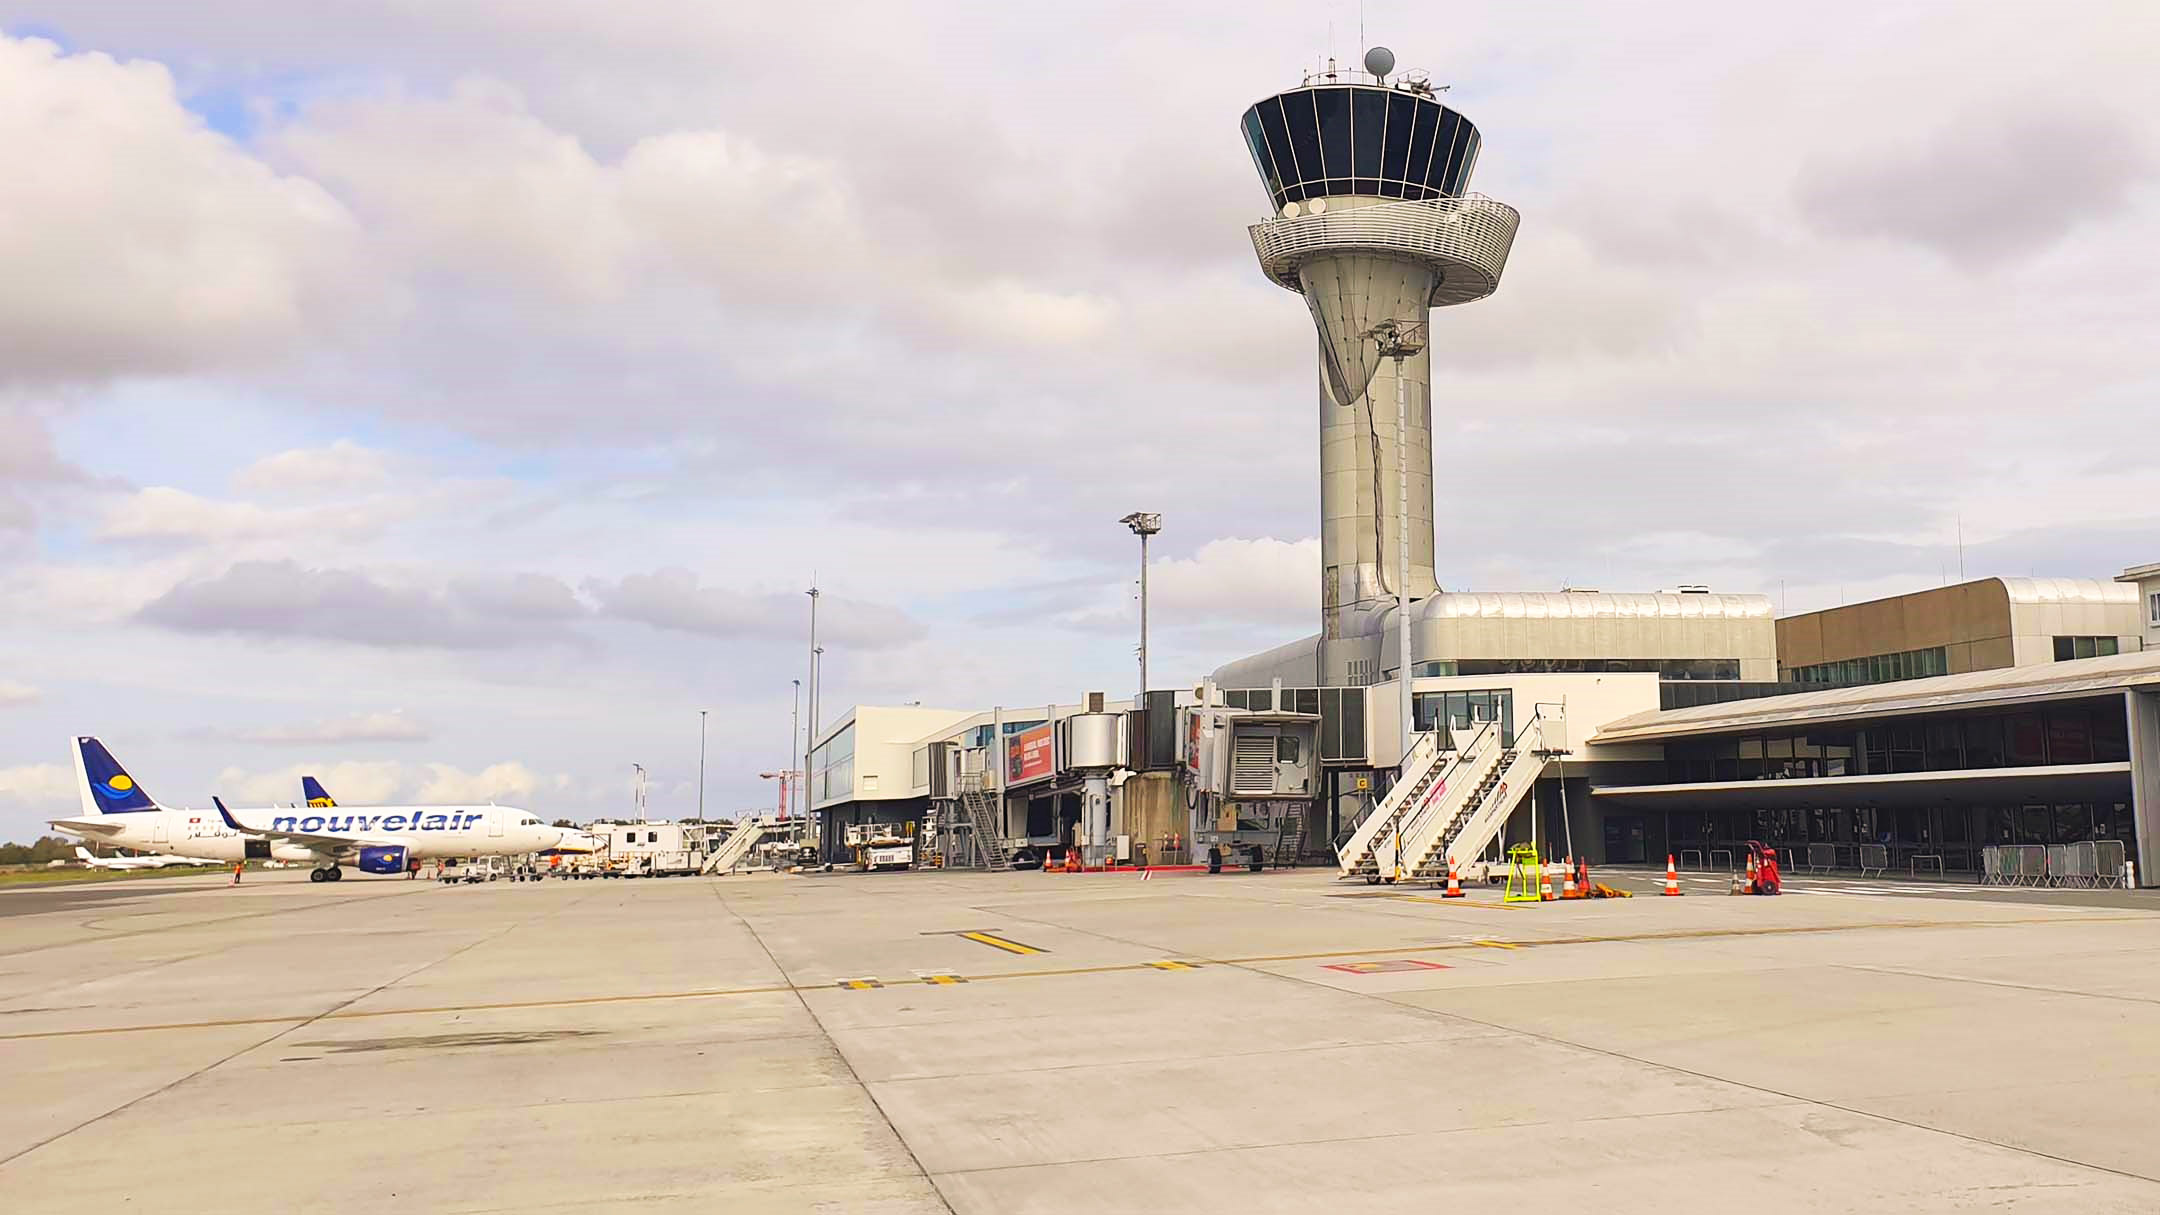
pixel 1458 832
pixel 986 820
pixel 736 847
pixel 1427 771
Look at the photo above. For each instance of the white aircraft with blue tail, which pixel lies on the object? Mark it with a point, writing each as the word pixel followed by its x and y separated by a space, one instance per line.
pixel 379 839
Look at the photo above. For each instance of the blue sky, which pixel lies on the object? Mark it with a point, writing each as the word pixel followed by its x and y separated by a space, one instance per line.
pixel 459 398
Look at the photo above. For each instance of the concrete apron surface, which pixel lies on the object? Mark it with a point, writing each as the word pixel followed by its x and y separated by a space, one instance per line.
pixel 1030 1042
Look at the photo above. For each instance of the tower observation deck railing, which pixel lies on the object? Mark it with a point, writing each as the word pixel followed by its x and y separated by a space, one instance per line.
pixel 1468 236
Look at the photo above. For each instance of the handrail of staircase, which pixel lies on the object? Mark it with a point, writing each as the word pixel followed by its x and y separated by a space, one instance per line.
pixel 1449 847
pixel 1362 841
pixel 1468 753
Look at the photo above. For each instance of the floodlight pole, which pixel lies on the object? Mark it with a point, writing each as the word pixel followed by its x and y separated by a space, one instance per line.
pixel 701 765
pixel 810 733
pixel 1143 525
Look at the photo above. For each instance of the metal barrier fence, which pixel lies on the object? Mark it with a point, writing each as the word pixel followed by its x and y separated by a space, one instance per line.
pixel 1874 858
pixel 2089 863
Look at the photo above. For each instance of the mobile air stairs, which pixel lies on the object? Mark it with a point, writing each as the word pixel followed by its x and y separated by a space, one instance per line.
pixel 737 846
pixel 985 819
pixel 1451 804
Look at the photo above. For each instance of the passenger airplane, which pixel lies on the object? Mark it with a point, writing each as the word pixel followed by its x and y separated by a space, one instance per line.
pixel 161 861
pixel 385 839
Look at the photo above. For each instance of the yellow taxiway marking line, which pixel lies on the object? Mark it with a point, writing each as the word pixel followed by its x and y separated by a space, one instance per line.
pixel 859 984
pixel 1112 968
pixel 997 942
pixel 942 980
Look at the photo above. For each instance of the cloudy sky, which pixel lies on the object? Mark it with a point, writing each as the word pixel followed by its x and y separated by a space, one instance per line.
pixel 453 398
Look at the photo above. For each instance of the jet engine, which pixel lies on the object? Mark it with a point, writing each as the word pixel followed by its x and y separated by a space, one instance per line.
pixel 383 859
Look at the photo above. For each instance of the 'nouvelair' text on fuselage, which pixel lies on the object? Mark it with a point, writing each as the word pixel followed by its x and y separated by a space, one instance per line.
pixel 349 823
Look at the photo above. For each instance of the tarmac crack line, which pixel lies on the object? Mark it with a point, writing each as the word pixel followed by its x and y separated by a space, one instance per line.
pixel 883 1115
pixel 2005 983
pixel 221 1061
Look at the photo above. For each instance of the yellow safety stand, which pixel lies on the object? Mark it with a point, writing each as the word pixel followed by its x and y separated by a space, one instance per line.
pixel 1524 871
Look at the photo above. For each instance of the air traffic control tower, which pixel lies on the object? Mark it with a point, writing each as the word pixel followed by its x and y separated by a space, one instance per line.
pixel 1367 179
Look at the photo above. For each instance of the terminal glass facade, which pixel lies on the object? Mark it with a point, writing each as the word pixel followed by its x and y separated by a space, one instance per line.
pixel 1876 668
pixel 832 767
pixel 1343 139
pixel 1675 669
pixel 2040 736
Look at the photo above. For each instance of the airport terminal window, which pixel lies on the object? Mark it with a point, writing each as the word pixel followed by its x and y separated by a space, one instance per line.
pixel 1673 669
pixel 2096 732
pixel 1462 710
pixel 2067 648
pixel 1876 668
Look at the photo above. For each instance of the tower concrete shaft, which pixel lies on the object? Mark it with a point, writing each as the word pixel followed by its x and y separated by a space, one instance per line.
pixel 1359 533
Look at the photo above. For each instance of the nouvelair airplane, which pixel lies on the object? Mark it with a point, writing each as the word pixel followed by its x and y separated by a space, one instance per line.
pixel 383 839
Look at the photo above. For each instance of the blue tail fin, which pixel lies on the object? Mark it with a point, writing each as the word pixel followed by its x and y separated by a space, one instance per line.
pixel 312 790
pixel 107 788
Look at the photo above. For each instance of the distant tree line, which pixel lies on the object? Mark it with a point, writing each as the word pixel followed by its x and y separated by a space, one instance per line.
pixel 47 848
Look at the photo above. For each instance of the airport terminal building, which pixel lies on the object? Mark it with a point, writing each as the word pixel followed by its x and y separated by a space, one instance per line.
pixel 1928 725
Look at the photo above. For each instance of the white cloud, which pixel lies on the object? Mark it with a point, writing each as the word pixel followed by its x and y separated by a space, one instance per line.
pixel 15 692
pixel 358 727
pixel 672 599
pixel 162 513
pixel 385 782
pixel 1967 190
pixel 135 239
pixel 450 785
pixel 342 467
pixel 286 599
pixel 45 788
pixel 354 783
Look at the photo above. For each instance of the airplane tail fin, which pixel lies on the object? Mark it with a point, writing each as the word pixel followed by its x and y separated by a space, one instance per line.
pixel 313 792
pixel 105 786
pixel 85 853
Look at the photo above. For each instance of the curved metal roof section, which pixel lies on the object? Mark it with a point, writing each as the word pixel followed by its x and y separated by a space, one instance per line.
pixel 2029 591
pixel 2007 685
pixel 1591 605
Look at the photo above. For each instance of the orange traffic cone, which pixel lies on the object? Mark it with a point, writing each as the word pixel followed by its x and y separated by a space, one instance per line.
pixel 1545 894
pixel 1454 883
pixel 1672 876
pixel 1567 882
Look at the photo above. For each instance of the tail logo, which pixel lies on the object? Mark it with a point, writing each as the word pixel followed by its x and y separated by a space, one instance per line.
pixel 117 789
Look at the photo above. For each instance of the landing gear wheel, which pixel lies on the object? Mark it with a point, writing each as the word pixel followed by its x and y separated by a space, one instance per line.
pixel 1372 879
pixel 316 875
pixel 333 874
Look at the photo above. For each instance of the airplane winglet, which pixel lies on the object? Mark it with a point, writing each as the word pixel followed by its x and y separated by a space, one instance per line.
pixel 230 821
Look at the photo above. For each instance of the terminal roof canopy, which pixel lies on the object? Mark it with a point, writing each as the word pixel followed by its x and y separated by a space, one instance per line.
pixel 1359 139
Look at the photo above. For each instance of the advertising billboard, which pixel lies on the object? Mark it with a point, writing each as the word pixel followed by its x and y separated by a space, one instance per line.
pixel 1029 755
